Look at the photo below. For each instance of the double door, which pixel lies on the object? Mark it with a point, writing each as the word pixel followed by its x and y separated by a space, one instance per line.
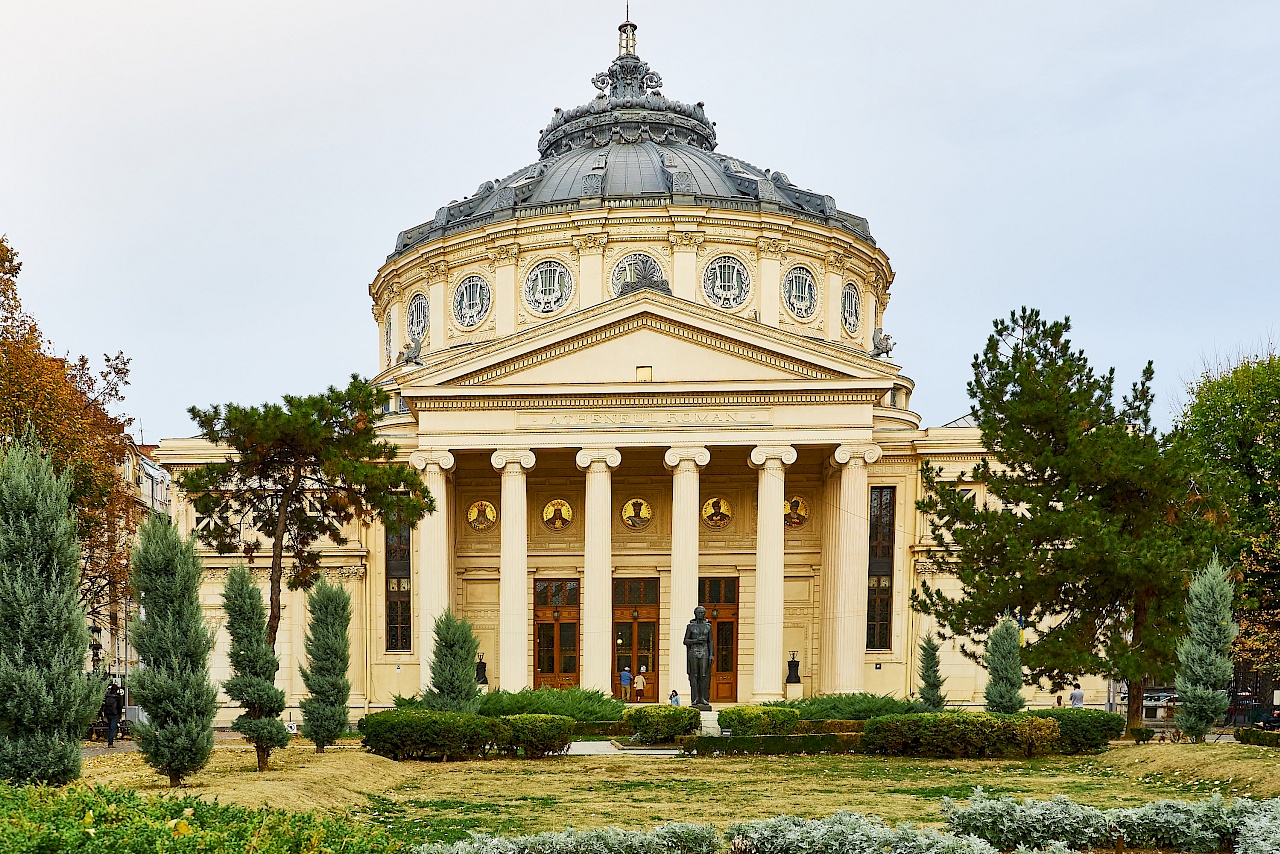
pixel 720 597
pixel 635 638
pixel 556 623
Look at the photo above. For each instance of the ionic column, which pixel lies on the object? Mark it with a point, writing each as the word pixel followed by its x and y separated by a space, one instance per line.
pixel 848 642
pixel 513 583
pixel 828 591
pixel 597 615
pixel 435 581
pixel 684 464
pixel 770 662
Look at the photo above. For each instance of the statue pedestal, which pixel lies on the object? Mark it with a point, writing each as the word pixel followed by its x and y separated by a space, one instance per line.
pixel 702 707
pixel 794 691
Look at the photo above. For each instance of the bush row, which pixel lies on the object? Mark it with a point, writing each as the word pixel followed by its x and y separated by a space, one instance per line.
pixel 770 745
pixel 1258 736
pixel 417 734
pixel 577 703
pixel 661 724
pixel 1084 730
pixel 1247 826
pixel 958 735
pixel 758 720
pixel 845 707
pixel 75 818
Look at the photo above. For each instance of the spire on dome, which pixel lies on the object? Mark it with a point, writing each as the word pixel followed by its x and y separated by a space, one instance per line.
pixel 627 35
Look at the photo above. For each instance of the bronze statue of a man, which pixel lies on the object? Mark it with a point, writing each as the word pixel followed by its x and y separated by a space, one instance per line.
pixel 697 641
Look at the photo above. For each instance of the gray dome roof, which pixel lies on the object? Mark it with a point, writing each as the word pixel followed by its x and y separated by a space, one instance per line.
pixel 631 146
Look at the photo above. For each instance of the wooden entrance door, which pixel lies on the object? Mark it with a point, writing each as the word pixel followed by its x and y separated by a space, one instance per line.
pixel 555 632
pixel 720 597
pixel 635 635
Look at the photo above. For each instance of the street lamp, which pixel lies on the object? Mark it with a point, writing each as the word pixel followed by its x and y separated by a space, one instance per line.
pixel 95 646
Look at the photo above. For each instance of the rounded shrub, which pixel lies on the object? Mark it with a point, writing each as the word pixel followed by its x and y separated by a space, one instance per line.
pixel 662 724
pixel 417 734
pixel 759 720
pixel 1084 730
pixel 535 736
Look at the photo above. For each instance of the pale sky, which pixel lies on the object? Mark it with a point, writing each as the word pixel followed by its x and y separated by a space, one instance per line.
pixel 210 187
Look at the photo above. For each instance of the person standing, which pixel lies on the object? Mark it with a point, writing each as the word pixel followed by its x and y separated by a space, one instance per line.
pixel 112 707
pixel 1077 696
pixel 640 683
pixel 674 699
pixel 624 679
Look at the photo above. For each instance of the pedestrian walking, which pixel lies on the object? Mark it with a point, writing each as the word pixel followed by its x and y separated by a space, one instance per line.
pixel 624 679
pixel 640 683
pixel 112 708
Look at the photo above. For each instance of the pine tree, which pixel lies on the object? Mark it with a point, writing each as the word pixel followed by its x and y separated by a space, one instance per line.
pixel 46 699
pixel 453 667
pixel 255 665
pixel 173 644
pixel 1204 655
pixel 931 680
pixel 1004 670
pixel 324 713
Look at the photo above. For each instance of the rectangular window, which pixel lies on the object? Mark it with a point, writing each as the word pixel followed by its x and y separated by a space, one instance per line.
pixel 717 591
pixel 399 591
pixel 635 591
pixel 880 568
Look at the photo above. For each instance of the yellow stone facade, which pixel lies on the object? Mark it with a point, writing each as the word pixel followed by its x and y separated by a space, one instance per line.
pixel 655 450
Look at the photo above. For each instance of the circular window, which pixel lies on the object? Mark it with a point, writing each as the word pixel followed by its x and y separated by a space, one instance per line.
pixel 636 269
pixel 418 316
pixel 800 293
pixel 548 287
pixel 849 308
pixel 726 283
pixel 471 302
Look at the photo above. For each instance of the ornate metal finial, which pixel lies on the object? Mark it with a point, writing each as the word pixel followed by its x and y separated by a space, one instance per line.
pixel 627 35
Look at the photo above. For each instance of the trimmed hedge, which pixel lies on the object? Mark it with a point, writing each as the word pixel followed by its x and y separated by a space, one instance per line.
pixel 418 734
pixel 819 727
pixel 534 735
pixel 845 707
pixel 1084 730
pixel 415 734
pixel 758 720
pixel 577 703
pixel 770 745
pixel 1251 735
pixel 960 735
pixel 599 728
pixel 662 724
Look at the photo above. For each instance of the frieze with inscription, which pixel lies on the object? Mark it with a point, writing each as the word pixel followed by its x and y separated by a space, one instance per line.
pixel 645 418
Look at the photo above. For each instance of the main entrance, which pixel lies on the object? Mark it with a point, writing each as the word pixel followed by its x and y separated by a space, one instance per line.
pixel 635 636
pixel 555 632
pixel 720 597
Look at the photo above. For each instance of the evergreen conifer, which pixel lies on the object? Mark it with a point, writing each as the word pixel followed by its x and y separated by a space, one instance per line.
pixel 931 696
pixel 453 666
pixel 47 701
pixel 255 665
pixel 1003 660
pixel 324 713
pixel 1204 655
pixel 173 644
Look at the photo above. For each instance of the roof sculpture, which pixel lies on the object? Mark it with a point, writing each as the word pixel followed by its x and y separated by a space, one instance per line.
pixel 630 146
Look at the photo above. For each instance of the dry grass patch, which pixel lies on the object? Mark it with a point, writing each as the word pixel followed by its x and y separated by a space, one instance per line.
pixel 298 779
pixel 1187 770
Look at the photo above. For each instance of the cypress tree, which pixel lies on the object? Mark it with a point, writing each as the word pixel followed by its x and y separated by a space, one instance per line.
pixel 453 665
pixel 931 680
pixel 1003 660
pixel 1204 654
pixel 324 713
pixel 173 644
pixel 47 701
pixel 255 664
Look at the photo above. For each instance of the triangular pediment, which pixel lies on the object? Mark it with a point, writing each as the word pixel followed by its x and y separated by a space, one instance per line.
pixel 680 342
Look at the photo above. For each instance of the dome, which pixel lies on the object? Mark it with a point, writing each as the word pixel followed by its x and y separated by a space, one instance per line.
pixel 630 146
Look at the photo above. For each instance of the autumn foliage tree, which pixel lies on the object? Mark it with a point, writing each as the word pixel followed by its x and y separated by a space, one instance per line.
pixel 295 475
pixel 64 401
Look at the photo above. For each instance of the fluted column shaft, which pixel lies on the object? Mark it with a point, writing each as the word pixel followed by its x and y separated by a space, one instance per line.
pixel 684 464
pixel 770 662
pixel 513 583
pixel 853 542
pixel 597 615
pixel 829 592
pixel 435 576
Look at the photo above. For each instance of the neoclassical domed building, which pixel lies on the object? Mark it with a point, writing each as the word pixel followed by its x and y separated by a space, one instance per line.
pixel 641 374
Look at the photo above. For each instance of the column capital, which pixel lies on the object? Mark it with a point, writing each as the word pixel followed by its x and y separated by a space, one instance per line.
pixel 504 457
pixel 761 454
pixel 424 457
pixel 609 456
pixel 677 455
pixel 862 453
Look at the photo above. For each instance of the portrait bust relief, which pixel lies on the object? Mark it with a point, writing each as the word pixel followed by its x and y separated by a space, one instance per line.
pixel 717 512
